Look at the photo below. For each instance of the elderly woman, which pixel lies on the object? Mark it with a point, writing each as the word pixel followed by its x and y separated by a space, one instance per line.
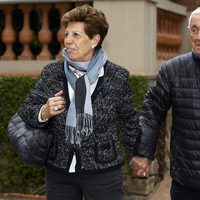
pixel 92 97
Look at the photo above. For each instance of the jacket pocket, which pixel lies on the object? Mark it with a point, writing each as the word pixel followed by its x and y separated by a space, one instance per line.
pixel 105 152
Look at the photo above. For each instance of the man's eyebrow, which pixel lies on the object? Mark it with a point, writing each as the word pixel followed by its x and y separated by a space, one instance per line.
pixel 195 26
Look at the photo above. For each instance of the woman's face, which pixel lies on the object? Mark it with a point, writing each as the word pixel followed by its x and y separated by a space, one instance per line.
pixel 78 45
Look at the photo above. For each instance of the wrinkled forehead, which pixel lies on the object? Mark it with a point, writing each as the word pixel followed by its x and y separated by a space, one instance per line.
pixel 195 19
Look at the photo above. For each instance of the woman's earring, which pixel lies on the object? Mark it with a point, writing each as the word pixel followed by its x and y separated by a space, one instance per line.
pixel 93 46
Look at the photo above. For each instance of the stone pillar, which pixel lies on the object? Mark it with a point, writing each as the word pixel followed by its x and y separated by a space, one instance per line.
pixel 44 34
pixel 63 8
pixel 131 40
pixel 8 35
pixel 25 35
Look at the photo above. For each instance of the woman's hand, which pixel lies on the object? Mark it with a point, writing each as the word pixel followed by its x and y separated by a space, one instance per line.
pixel 54 106
pixel 140 165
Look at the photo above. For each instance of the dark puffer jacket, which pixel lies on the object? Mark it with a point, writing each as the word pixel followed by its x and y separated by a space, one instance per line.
pixel 177 85
pixel 111 101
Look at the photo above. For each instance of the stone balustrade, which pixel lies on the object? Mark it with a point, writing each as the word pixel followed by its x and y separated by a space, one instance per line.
pixel 31 35
pixel 32 31
pixel 169 39
pixel 191 5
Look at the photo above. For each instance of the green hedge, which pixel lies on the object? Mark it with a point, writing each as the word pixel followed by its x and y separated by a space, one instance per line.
pixel 16 176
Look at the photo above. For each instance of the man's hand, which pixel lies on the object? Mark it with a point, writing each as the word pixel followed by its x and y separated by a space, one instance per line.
pixel 140 165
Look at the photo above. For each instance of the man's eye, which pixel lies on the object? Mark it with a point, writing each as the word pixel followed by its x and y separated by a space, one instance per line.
pixel 66 34
pixel 195 30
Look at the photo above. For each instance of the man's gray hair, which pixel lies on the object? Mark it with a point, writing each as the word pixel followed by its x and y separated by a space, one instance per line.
pixel 195 12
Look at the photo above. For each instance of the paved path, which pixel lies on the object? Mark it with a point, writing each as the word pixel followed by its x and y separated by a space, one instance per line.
pixel 162 192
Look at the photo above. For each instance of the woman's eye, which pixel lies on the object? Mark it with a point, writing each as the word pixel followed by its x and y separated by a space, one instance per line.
pixel 66 34
pixel 77 35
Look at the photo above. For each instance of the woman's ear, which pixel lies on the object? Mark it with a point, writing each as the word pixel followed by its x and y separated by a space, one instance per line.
pixel 95 40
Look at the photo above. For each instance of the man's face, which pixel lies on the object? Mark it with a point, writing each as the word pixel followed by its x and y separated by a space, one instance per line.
pixel 194 31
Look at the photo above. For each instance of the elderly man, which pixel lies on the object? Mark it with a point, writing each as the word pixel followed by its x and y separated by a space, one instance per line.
pixel 178 86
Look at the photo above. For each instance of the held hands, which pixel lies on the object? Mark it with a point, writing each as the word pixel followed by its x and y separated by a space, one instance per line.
pixel 54 106
pixel 140 165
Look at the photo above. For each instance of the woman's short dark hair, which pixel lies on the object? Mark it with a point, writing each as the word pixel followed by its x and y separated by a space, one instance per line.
pixel 94 20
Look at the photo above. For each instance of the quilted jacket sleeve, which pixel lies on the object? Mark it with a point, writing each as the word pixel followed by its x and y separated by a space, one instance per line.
pixel 128 117
pixel 155 106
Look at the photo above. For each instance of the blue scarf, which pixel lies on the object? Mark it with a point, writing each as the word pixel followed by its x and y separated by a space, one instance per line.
pixel 79 124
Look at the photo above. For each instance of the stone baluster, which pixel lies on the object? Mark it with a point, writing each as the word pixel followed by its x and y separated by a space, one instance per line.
pixel 25 35
pixel 170 30
pixel 179 37
pixel 162 26
pixel 44 35
pixel 159 35
pixel 8 35
pixel 159 28
pixel 63 8
pixel 174 35
pixel 79 3
pixel 168 34
pixel 165 37
pixel 166 29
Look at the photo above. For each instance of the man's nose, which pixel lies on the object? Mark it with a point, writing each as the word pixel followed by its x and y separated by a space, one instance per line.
pixel 198 34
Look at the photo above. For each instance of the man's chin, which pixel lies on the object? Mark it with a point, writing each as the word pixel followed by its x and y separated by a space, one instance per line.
pixel 196 51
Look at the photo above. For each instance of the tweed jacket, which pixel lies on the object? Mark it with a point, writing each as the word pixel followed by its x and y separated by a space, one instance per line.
pixel 113 107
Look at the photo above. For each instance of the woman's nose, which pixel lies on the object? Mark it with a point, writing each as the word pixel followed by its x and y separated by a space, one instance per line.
pixel 69 38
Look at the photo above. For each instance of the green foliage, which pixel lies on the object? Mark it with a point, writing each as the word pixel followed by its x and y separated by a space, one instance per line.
pixel 15 175
pixel 139 86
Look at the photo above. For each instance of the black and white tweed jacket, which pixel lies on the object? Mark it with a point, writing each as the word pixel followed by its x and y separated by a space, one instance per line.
pixel 112 107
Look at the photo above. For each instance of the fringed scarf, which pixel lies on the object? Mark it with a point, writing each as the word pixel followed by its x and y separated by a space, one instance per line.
pixel 79 124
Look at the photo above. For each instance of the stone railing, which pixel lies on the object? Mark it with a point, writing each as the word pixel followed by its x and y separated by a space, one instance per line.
pixel 191 5
pixel 169 39
pixel 32 31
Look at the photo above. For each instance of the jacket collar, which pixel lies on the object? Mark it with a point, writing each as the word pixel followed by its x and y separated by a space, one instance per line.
pixel 196 57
